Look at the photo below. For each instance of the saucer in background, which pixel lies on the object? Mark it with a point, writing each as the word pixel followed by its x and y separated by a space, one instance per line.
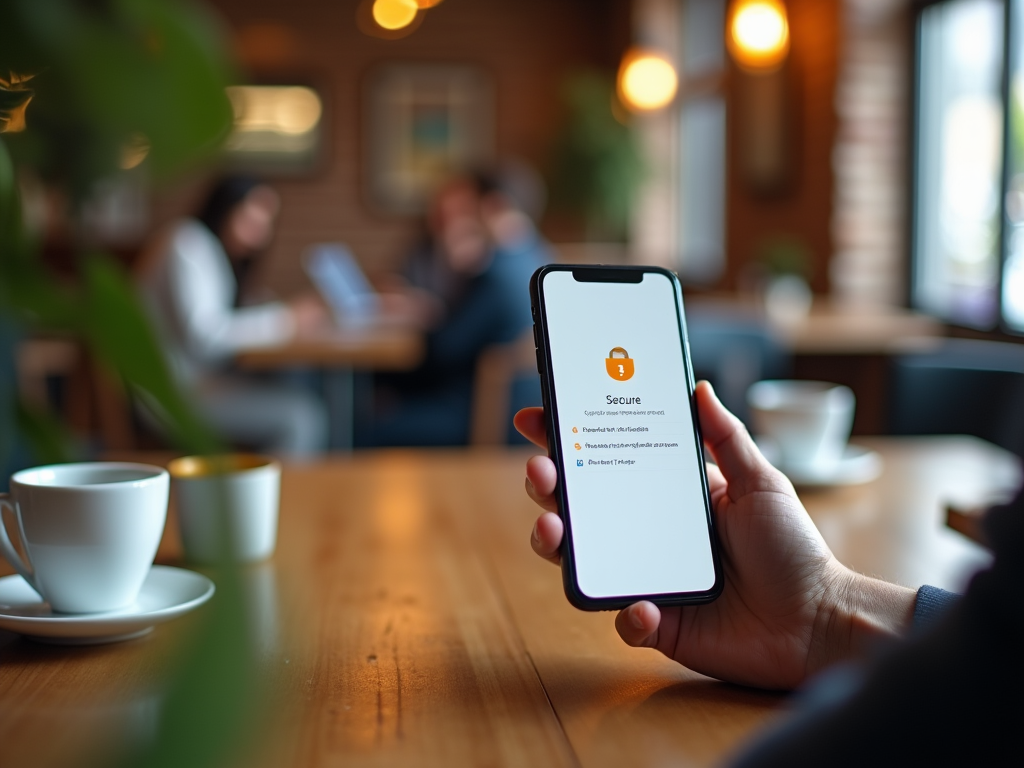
pixel 856 466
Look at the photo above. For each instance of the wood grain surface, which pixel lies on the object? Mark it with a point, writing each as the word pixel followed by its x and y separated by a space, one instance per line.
pixel 405 621
pixel 379 349
pixel 832 327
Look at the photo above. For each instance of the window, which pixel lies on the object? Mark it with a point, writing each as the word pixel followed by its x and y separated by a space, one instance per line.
pixel 1013 266
pixel 969 184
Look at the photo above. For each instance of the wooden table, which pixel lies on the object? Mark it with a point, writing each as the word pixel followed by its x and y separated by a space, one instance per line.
pixel 380 348
pixel 834 328
pixel 843 343
pixel 339 353
pixel 408 623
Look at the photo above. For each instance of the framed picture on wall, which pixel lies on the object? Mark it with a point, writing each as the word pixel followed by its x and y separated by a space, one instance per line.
pixel 423 122
pixel 278 129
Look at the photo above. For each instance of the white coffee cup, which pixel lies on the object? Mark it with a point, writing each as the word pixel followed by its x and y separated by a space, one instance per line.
pixel 90 531
pixel 236 495
pixel 808 422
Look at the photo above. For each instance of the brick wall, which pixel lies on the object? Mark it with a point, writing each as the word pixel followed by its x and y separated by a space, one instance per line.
pixel 849 103
pixel 873 100
pixel 526 46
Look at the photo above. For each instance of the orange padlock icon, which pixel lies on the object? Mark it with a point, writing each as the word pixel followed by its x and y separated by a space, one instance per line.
pixel 619 364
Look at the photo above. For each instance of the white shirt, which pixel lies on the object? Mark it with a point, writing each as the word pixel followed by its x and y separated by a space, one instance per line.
pixel 190 294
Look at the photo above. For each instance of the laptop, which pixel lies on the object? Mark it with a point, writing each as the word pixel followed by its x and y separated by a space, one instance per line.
pixel 337 276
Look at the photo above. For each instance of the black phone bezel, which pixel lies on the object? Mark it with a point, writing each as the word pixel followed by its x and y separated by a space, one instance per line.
pixel 623 274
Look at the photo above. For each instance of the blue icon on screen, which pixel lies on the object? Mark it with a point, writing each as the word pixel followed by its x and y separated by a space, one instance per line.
pixel 579 462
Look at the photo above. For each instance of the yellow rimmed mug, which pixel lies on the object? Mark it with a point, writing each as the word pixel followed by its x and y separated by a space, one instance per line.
pixel 227 506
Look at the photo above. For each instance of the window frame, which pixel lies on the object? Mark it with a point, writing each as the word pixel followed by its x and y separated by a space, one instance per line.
pixel 1010 58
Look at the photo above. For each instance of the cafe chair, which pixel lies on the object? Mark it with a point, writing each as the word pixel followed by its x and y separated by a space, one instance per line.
pixel 61 377
pixel 505 380
pixel 966 387
pixel 38 361
pixel 54 376
pixel 115 417
pixel 732 353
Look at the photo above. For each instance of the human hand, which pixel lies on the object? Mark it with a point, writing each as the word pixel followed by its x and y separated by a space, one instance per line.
pixel 788 607
pixel 412 307
pixel 308 314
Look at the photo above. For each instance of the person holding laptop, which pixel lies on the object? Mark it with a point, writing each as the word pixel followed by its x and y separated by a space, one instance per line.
pixel 191 287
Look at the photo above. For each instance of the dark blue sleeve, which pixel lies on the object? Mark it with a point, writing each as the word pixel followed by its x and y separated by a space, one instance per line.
pixel 931 604
pixel 949 695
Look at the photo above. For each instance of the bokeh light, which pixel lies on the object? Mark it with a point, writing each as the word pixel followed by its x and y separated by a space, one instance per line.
pixel 395 14
pixel 758 35
pixel 428 3
pixel 134 151
pixel 647 81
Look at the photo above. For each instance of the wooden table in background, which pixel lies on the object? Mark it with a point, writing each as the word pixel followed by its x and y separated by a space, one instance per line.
pixel 408 623
pixel 834 328
pixel 853 345
pixel 339 353
pixel 843 343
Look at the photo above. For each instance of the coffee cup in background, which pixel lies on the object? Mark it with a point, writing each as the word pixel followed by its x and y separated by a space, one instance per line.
pixel 90 531
pixel 227 506
pixel 807 422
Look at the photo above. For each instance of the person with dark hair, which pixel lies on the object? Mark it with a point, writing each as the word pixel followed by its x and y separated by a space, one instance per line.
pixel 468 286
pixel 191 287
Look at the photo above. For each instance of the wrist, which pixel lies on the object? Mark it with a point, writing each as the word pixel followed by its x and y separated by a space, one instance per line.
pixel 855 614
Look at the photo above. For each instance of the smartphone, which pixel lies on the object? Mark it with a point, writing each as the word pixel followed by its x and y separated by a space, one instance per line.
pixel 623 433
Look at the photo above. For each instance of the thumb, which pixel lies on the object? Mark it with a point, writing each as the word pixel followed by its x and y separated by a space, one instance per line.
pixel 742 464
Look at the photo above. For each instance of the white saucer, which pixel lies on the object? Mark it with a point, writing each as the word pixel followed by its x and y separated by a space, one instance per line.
pixel 858 465
pixel 166 594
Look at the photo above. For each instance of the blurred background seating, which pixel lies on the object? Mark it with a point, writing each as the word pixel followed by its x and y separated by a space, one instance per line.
pixel 466 284
pixel 506 133
pixel 732 350
pixel 505 381
pixel 39 364
pixel 966 387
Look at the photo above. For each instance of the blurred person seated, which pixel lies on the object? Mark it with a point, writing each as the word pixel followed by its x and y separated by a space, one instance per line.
pixel 190 283
pixel 890 676
pixel 467 285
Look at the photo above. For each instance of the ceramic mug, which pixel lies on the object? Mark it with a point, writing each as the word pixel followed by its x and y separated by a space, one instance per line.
pixel 227 506
pixel 90 531
pixel 809 422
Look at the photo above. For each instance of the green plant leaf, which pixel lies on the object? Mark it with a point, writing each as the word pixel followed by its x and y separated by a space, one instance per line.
pixel 214 695
pixel 108 72
pixel 46 436
pixel 111 71
pixel 119 331
pixel 597 165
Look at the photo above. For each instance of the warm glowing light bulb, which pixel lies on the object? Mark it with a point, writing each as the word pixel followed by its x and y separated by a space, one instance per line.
pixel 758 33
pixel 395 14
pixel 647 81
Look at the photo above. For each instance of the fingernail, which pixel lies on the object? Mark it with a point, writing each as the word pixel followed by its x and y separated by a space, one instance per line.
pixel 529 485
pixel 535 536
pixel 636 619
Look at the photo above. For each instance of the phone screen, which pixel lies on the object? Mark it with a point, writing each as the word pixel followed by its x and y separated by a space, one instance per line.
pixel 633 481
